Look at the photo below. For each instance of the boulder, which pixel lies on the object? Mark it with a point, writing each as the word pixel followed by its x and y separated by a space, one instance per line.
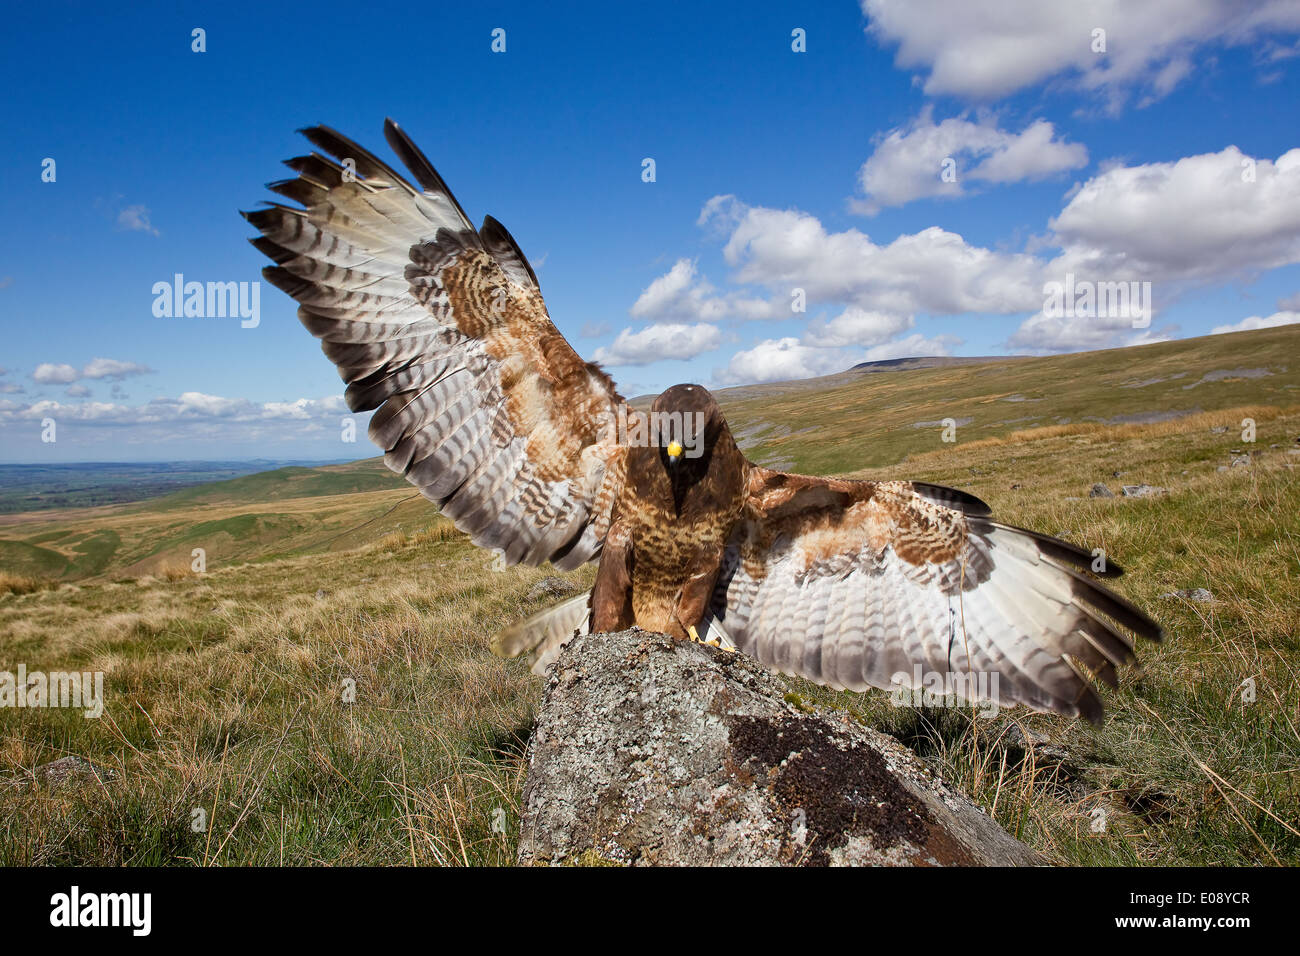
pixel 650 751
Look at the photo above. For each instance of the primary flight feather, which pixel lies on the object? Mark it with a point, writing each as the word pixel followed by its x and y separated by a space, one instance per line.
pixel 481 403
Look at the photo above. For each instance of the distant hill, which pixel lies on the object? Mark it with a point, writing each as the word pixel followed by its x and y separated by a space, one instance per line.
pixel 871 416
pixel 37 487
pixel 879 413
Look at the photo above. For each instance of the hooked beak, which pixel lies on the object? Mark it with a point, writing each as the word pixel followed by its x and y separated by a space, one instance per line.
pixel 674 450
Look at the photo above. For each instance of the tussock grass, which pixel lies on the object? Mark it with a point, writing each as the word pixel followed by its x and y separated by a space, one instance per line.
pixel 23 583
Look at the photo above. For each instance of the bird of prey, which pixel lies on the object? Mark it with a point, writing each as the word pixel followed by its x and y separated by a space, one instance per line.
pixel 479 401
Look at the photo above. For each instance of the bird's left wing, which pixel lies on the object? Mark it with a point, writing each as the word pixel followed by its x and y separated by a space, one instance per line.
pixel 441 327
pixel 858 584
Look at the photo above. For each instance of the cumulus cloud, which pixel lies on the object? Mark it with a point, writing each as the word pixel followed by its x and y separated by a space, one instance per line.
pixel 776 360
pixel 187 407
pixel 909 162
pixel 113 370
pixel 1259 322
pixel 857 327
pixel 656 342
pixel 1290 304
pixel 987 49
pixel 48 373
pixel 681 295
pixel 932 271
pixel 77 391
pixel 1209 216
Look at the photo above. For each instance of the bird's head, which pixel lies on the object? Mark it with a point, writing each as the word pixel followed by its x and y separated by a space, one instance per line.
pixel 685 422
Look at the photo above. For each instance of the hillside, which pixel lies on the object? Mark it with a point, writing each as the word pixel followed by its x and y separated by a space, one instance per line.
pixel 868 417
pixel 223 689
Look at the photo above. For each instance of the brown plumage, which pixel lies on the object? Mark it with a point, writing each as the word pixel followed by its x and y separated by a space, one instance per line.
pixel 482 404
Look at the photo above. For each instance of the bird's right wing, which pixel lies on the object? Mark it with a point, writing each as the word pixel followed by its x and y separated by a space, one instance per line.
pixel 481 402
pixel 860 584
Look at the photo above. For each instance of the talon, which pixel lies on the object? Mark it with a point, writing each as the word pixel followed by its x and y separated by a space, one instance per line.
pixel 694 636
pixel 714 643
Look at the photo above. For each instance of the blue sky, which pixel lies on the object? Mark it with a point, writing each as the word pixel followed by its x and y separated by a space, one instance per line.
pixel 1170 157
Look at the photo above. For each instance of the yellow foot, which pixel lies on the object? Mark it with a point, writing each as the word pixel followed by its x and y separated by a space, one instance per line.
pixel 690 630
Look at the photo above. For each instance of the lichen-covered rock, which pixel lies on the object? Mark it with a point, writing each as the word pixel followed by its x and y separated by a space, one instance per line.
pixel 652 751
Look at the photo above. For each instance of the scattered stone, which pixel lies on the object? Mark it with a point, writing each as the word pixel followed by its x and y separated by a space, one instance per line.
pixel 321 594
pixel 1143 491
pixel 1100 491
pixel 1239 461
pixel 552 587
pixel 1218 429
pixel 652 751
pixel 1116 474
pixel 1222 468
pixel 1199 595
pixel 67 771
pixel 1017 486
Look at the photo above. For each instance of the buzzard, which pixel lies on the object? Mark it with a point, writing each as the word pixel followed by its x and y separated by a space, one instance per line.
pixel 440 328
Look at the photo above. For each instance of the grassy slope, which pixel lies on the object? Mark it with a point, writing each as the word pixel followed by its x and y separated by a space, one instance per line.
pixel 224 689
pixel 876 418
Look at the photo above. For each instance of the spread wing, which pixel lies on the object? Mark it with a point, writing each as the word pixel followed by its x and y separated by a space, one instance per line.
pixel 481 403
pixel 860 584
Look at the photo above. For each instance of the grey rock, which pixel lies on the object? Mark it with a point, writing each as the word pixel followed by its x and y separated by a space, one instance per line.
pixel 1239 461
pixel 1199 595
pixel 1100 491
pixel 651 751
pixel 1143 491
pixel 69 771
pixel 552 587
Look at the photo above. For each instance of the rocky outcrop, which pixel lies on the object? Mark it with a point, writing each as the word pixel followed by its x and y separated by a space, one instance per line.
pixel 651 751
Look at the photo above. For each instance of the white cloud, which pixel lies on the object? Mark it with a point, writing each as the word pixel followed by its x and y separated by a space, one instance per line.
pixel 987 49
pixel 48 373
pixel 856 327
pixel 657 342
pixel 680 295
pixel 136 219
pixel 114 370
pixel 909 161
pixel 930 271
pixel 1259 322
pixel 187 407
pixel 776 360
pixel 1204 217
pixel 1290 304
pixel 77 391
